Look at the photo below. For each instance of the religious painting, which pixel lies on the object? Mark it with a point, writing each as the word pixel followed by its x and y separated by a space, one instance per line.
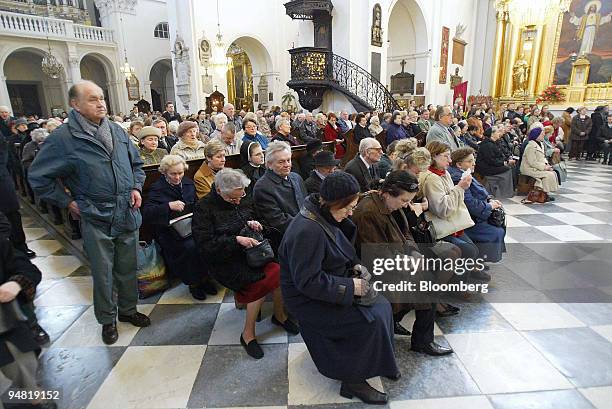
pixel 376 26
pixel 586 31
pixel 133 88
pixel 444 55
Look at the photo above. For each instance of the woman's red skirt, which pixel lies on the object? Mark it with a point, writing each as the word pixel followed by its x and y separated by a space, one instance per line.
pixel 261 288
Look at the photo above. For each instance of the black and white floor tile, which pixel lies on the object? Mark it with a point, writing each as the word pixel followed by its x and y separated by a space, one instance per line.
pixel 508 355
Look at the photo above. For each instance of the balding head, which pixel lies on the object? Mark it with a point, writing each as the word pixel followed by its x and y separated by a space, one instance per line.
pixel 5 112
pixel 87 98
pixel 229 110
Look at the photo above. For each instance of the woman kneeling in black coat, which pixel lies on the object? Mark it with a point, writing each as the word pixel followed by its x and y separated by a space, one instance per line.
pixel 172 196
pixel 219 223
pixel 347 329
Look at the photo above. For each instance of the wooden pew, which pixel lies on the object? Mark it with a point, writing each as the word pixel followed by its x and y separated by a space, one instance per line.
pixel 231 161
pixel 421 137
pixel 382 139
pixel 352 148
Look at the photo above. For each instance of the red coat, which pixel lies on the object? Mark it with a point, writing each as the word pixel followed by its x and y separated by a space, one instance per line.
pixel 331 134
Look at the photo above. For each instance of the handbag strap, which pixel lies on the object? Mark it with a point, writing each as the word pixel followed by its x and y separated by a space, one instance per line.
pixel 312 216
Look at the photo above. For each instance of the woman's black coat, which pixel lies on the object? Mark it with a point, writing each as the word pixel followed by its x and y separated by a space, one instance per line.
pixel 180 255
pixel 15 266
pixel 216 223
pixel 490 159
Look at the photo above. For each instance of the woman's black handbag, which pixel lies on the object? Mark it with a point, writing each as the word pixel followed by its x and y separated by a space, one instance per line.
pixel 497 217
pixel 260 255
pixel 423 232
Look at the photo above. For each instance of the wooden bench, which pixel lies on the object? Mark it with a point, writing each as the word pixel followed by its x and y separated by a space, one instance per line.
pixel 352 148
pixel 525 184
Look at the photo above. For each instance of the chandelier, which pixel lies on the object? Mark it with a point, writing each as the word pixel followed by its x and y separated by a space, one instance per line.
pixel 50 66
pixel 532 12
pixel 126 69
pixel 220 61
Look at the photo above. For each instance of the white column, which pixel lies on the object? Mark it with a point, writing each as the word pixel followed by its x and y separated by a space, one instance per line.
pixel 75 69
pixel 4 95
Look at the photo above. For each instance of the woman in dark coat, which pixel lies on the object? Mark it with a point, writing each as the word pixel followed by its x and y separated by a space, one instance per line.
pixel 380 220
pixel 172 196
pixel 488 238
pixel 396 131
pixel 581 127
pixel 18 280
pixel 492 165
pixel 324 287
pixel 361 130
pixel 221 222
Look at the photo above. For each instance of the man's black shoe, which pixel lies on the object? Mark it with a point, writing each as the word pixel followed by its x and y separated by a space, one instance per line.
pixel 363 391
pixel 480 276
pixel 30 253
pixel 109 333
pixel 398 329
pixel 40 335
pixel 432 349
pixel 137 319
pixel 288 326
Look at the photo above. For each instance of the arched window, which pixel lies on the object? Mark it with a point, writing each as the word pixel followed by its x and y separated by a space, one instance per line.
pixel 161 30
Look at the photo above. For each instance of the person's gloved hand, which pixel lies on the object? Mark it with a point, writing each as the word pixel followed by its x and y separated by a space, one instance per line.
pixel 369 297
pixel 362 272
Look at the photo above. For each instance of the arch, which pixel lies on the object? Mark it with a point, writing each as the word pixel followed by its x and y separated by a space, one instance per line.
pixel 407 34
pixel 30 90
pixel 256 51
pixel 162 83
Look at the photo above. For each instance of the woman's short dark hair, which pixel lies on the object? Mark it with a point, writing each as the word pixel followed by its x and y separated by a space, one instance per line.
pixel 359 117
pixel 395 115
pixel 200 111
pixel 399 181
pixel 570 110
pixel 460 154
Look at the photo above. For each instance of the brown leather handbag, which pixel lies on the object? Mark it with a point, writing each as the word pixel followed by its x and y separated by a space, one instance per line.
pixel 535 196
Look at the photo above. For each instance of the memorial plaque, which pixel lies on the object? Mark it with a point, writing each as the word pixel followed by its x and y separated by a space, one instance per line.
pixel 403 82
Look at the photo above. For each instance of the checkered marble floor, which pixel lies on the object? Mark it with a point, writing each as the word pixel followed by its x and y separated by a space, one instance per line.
pixel 536 354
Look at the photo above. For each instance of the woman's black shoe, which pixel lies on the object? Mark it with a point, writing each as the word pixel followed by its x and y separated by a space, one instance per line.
pixel 398 329
pixel 450 307
pixel 395 377
pixel 197 292
pixel 363 391
pixel 446 313
pixel 252 348
pixel 209 287
pixel 40 335
pixel 289 326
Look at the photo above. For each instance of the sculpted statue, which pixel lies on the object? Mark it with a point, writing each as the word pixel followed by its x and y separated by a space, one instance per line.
pixel 520 75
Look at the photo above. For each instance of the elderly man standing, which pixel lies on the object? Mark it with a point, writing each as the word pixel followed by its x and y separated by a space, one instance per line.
pixel 440 130
pixel 362 165
pixel 279 193
pixel 94 158
pixel 230 112
pixel 5 120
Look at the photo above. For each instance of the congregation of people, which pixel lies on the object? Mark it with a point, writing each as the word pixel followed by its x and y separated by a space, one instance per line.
pixel 361 178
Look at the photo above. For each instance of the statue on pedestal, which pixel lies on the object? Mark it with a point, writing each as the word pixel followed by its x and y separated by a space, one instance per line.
pixel 520 76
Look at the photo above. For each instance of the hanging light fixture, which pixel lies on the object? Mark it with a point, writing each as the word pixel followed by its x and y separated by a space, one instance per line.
pixel 50 66
pixel 220 61
pixel 126 69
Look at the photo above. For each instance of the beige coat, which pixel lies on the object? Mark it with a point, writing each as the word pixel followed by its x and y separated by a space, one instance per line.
pixel 534 164
pixel 445 202
pixel 187 152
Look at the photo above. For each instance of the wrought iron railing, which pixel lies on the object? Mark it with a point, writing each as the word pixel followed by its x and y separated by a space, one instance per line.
pixel 318 66
pixel 306 9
